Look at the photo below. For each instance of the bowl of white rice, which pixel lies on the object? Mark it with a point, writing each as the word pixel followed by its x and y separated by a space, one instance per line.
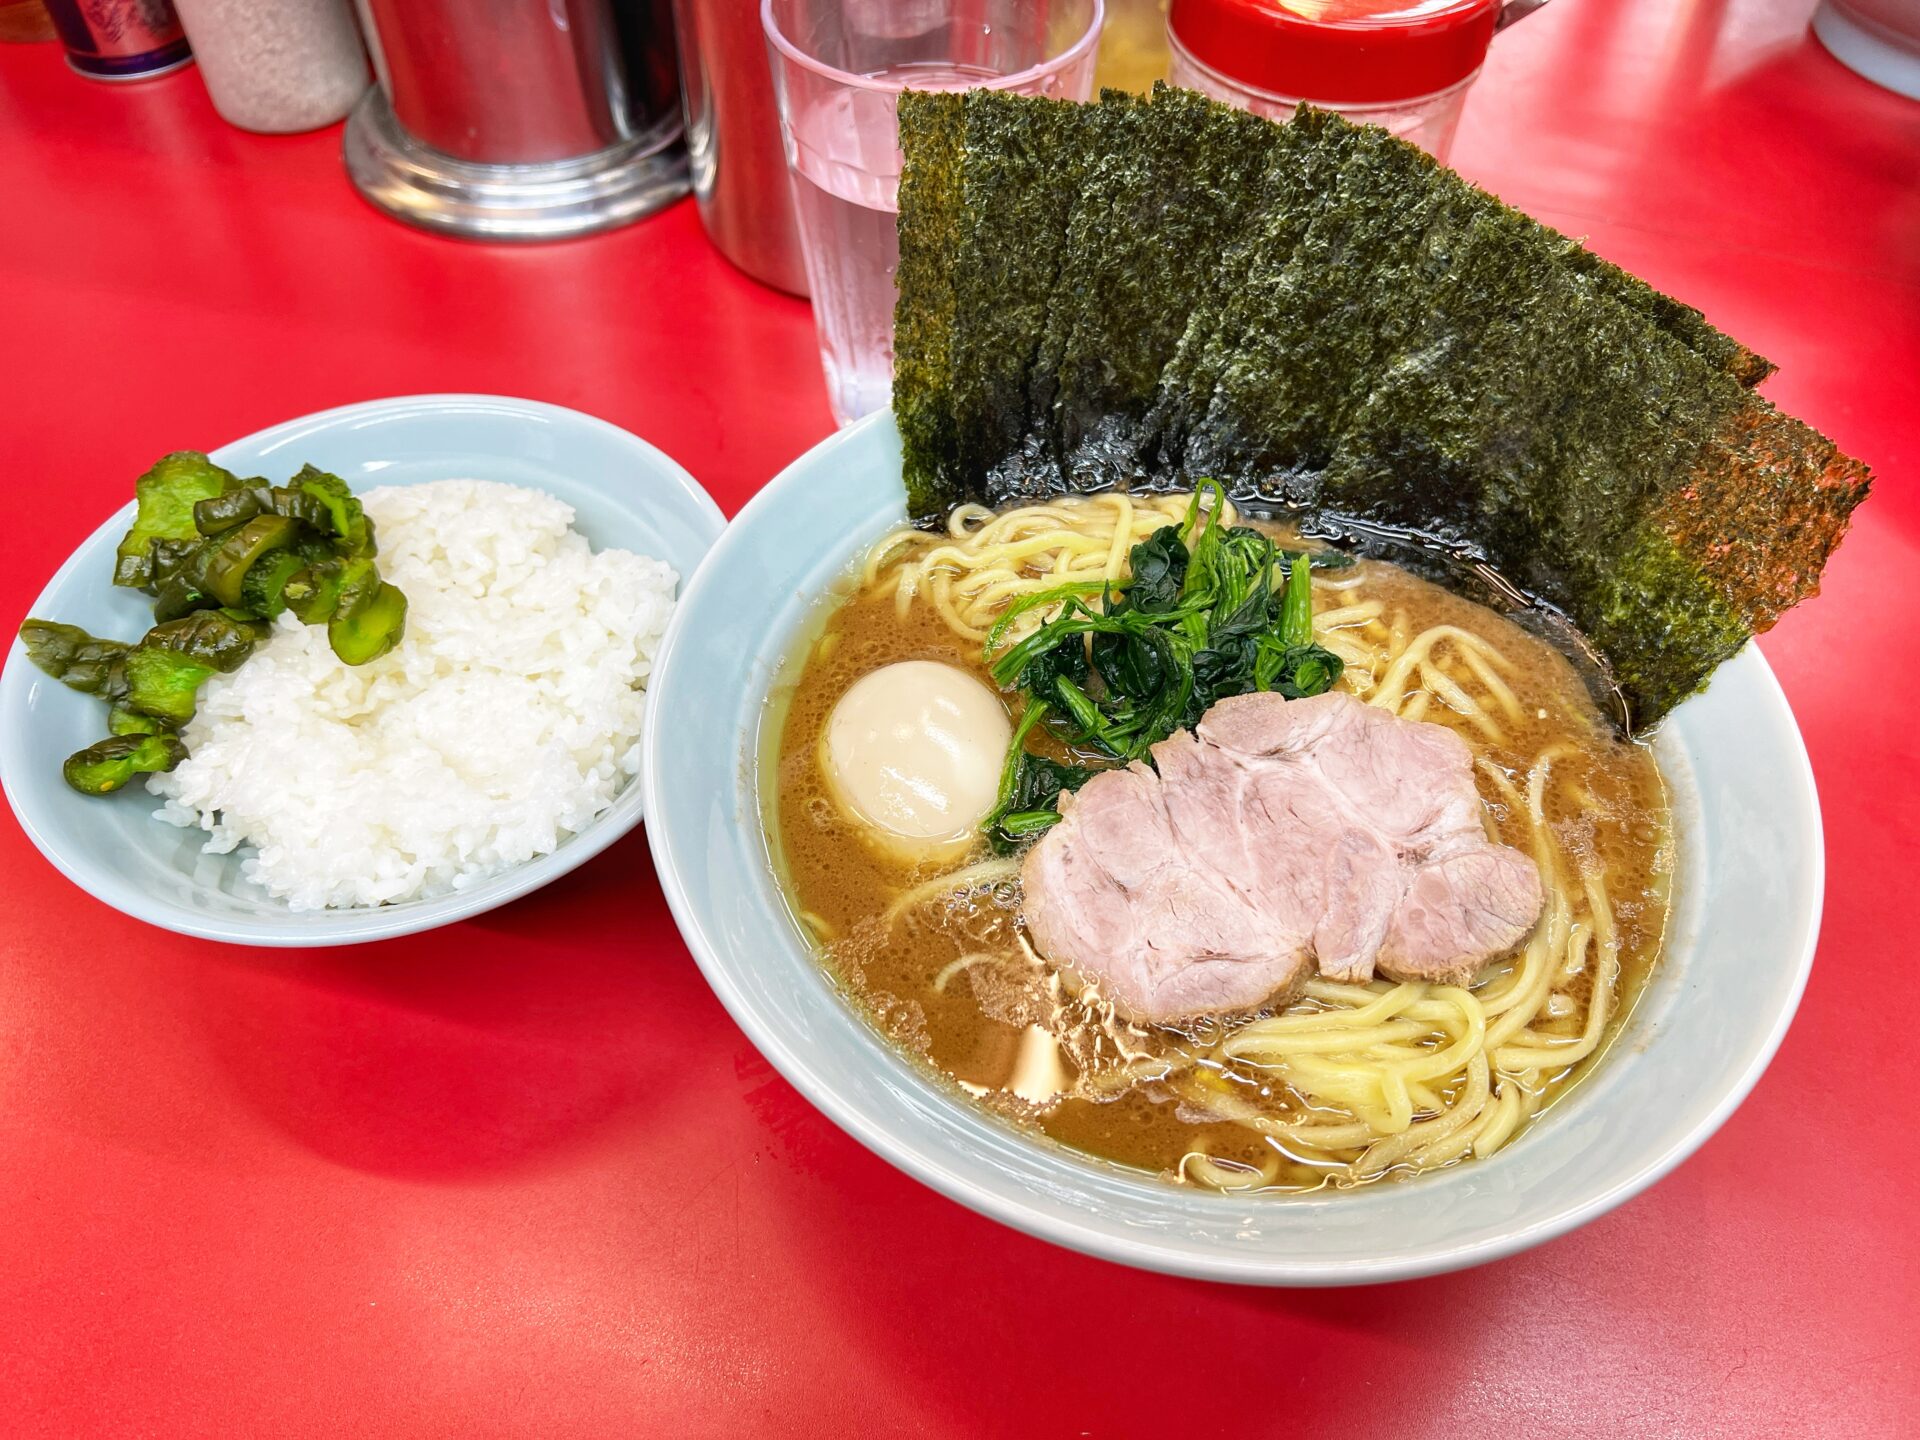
pixel 494 749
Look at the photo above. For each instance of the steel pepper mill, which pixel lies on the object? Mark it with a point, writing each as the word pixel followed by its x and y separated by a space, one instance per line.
pixel 519 119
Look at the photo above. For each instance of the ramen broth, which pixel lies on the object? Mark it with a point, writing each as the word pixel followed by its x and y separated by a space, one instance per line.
pixel 954 984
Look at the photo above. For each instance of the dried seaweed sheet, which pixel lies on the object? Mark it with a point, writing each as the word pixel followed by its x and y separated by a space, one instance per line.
pixel 1324 320
pixel 1019 167
pixel 1177 191
pixel 1320 313
pixel 1681 321
pixel 1548 429
pixel 1762 510
pixel 1518 423
pixel 923 369
pixel 1109 144
pixel 1297 179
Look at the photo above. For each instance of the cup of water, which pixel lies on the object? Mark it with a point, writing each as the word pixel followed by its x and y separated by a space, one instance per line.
pixel 838 69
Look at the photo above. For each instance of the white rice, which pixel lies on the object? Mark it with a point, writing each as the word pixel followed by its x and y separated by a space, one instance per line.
pixel 507 719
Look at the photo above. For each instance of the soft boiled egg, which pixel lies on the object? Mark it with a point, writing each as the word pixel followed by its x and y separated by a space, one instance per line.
pixel 914 749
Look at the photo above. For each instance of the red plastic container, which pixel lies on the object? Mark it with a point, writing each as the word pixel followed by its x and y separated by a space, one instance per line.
pixel 1404 64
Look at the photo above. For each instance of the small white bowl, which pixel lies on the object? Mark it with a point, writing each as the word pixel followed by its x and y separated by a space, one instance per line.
pixel 625 494
pixel 1746 914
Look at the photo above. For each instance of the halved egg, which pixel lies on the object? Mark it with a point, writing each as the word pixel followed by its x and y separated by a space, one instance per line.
pixel 913 750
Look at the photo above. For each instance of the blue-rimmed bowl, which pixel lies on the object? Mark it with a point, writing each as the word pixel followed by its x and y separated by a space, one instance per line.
pixel 625 494
pixel 1741 939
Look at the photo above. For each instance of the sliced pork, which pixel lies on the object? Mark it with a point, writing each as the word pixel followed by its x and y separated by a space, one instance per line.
pixel 1280 836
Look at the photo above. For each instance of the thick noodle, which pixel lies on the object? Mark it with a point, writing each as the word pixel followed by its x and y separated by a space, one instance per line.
pixel 1358 1079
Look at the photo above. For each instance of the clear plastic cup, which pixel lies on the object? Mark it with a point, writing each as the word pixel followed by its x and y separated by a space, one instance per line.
pixel 1427 120
pixel 838 69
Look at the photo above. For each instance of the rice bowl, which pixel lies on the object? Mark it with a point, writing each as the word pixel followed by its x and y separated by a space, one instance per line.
pixel 507 719
pixel 624 493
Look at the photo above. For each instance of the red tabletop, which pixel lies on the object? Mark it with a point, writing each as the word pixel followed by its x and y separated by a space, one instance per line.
pixel 523 1176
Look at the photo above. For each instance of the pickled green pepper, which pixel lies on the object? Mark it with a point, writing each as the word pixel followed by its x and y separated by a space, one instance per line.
pixel 103 768
pixel 164 500
pixel 222 557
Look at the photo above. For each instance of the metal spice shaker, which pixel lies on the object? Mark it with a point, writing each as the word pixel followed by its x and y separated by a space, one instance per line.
pixel 277 66
pixel 733 140
pixel 518 119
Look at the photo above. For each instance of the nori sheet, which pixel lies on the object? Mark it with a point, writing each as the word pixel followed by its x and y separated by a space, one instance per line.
pixel 1177 189
pixel 1144 292
pixel 1763 509
pixel 1019 159
pixel 1281 202
pixel 1108 145
pixel 1538 424
pixel 1681 321
pixel 1330 318
pixel 923 317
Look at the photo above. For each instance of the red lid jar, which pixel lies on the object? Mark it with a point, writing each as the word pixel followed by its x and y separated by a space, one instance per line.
pixel 1405 64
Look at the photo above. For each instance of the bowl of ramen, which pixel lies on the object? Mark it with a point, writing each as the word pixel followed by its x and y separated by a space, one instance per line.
pixel 893 983
pixel 1255 768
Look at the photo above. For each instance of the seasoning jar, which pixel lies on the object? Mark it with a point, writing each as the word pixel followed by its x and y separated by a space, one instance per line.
pixel 1402 64
pixel 277 66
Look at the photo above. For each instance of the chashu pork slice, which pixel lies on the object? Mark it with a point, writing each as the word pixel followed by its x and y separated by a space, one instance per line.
pixel 1279 837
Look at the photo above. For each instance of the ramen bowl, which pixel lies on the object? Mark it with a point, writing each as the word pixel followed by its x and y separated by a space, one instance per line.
pixel 1740 943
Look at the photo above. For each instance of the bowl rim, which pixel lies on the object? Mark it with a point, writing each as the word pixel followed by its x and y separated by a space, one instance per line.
pixel 903 1148
pixel 358 925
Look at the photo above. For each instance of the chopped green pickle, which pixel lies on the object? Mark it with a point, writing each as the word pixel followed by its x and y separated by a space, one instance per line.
pixel 223 564
pixel 212 637
pixel 221 513
pixel 164 500
pixel 123 721
pixel 103 768
pixel 70 655
pixel 347 520
pixel 371 627
pixel 313 594
pixel 222 557
pixel 164 683
pixel 264 591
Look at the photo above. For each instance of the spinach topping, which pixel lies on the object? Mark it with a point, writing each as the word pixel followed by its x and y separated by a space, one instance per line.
pixel 1210 610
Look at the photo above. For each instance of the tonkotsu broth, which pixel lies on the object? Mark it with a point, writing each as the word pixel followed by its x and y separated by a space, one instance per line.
pixel 1010 1033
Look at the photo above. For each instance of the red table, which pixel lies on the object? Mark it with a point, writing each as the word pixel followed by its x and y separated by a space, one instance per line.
pixel 523 1176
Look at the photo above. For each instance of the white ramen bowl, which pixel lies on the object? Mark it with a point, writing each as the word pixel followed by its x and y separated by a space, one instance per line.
pixel 1746 913
pixel 623 492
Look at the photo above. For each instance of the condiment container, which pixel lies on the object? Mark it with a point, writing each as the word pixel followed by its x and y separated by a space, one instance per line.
pixel 1403 64
pixel 120 39
pixel 518 119
pixel 733 141
pixel 277 66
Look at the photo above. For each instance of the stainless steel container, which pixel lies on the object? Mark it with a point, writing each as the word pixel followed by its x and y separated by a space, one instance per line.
pixel 519 119
pixel 733 140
